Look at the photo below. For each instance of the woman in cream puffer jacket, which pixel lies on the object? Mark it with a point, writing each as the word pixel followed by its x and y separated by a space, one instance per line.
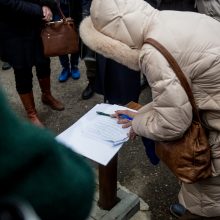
pixel 117 29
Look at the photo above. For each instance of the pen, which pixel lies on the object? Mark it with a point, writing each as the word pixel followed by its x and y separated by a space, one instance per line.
pixel 122 116
pixel 104 114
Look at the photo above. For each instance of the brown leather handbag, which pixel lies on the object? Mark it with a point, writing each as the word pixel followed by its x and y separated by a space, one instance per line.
pixel 189 157
pixel 60 37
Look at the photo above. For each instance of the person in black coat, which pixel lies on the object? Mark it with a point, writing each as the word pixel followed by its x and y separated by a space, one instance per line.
pixel 69 62
pixel 116 82
pixel 89 58
pixel 21 45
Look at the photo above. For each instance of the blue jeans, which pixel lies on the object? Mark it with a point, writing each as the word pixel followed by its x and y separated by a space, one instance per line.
pixel 73 61
pixel 149 146
pixel 65 61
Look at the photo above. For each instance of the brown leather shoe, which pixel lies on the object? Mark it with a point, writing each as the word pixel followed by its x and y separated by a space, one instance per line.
pixel 47 97
pixel 28 103
pixel 49 100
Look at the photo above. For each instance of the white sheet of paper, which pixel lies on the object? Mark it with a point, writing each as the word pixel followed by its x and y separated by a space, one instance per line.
pixel 106 129
pixel 98 150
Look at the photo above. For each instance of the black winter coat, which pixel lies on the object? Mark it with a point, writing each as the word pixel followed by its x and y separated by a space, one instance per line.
pixel 179 5
pixel 75 10
pixel 116 82
pixel 20 26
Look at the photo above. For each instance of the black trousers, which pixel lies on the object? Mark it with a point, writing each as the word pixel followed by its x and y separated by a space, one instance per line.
pixel 23 76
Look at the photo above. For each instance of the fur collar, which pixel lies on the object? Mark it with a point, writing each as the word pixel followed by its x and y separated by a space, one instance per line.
pixel 107 46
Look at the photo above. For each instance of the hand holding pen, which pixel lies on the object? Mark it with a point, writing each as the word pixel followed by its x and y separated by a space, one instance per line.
pixel 119 115
pixel 125 118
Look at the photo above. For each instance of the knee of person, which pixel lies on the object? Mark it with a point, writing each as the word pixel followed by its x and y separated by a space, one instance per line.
pixel 23 80
pixel 43 69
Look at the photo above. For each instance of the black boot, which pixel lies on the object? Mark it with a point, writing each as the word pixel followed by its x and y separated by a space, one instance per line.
pixel 6 66
pixel 90 63
pixel 89 91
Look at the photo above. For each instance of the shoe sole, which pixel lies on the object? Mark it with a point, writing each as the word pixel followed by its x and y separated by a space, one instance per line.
pixel 57 109
pixel 62 81
pixel 174 214
pixel 75 78
pixel 8 68
pixel 87 97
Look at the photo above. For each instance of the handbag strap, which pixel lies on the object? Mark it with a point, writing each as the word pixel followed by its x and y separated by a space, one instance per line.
pixel 179 73
pixel 60 10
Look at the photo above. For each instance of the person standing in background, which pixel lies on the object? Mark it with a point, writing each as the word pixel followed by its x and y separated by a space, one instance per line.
pixel 57 182
pixel 69 64
pixel 116 82
pixel 21 45
pixel 210 8
pixel 177 5
pixel 89 58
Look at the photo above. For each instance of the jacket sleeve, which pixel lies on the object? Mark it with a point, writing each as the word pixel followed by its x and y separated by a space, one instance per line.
pixel 169 115
pixel 22 7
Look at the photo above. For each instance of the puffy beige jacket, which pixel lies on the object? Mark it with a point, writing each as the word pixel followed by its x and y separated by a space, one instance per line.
pixel 117 29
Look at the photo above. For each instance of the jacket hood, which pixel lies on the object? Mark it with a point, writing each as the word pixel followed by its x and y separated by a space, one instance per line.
pixel 116 29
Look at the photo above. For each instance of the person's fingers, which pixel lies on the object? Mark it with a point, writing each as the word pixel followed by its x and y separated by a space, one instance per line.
pixel 44 11
pixel 48 15
pixel 126 112
pixel 48 18
pixel 127 125
pixel 114 115
pixel 118 112
pixel 122 121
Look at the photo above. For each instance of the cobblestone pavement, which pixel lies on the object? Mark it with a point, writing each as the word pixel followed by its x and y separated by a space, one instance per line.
pixel 154 184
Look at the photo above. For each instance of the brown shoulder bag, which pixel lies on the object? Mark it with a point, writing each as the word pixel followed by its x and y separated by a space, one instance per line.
pixel 60 37
pixel 189 157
